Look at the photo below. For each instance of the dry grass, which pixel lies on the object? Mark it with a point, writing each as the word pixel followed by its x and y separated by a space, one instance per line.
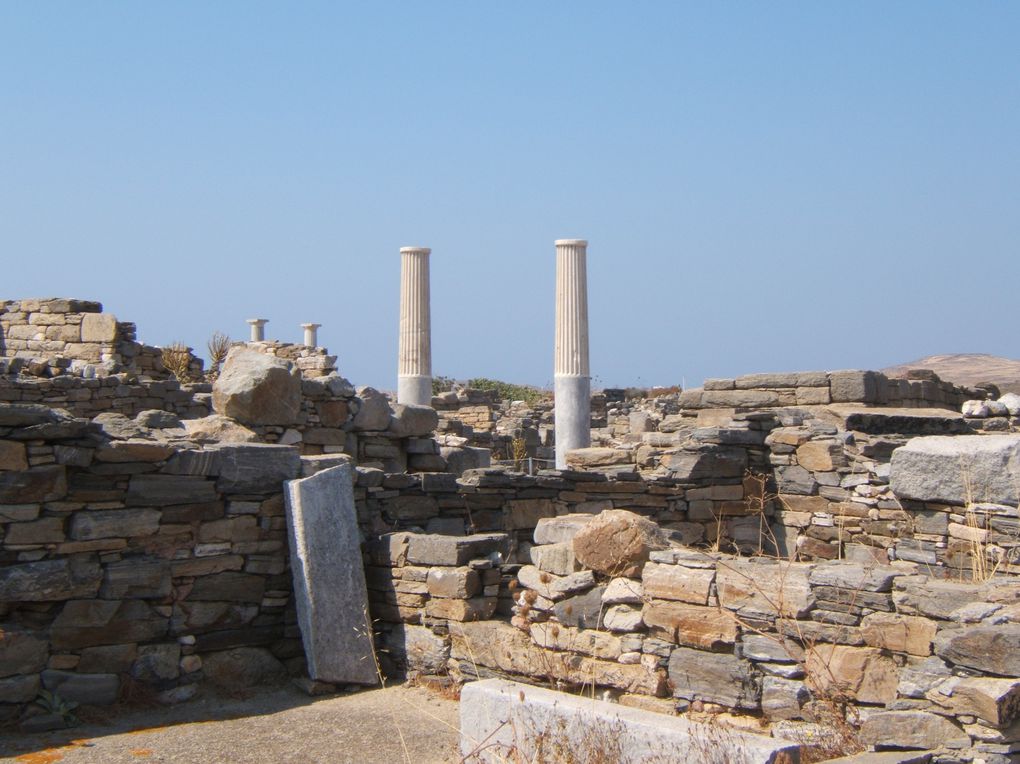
pixel 177 360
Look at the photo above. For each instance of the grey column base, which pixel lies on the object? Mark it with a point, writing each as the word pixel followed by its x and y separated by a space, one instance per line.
pixel 415 391
pixel 573 416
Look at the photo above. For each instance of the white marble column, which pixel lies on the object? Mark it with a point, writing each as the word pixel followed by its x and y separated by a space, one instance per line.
pixel 573 375
pixel 311 334
pixel 258 328
pixel 414 380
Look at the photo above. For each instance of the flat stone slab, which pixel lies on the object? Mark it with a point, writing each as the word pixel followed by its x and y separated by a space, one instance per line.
pixel 958 470
pixel 504 721
pixel 329 580
pixel 901 421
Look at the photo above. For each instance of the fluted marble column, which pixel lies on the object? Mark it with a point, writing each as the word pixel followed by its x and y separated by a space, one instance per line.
pixel 414 380
pixel 311 334
pixel 573 375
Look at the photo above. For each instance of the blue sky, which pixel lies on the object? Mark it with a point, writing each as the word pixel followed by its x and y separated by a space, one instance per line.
pixel 765 186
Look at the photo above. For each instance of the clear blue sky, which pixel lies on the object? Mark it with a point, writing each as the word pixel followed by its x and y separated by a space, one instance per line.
pixel 765 186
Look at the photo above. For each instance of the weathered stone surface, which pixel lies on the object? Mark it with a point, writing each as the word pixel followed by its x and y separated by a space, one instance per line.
pixel 243 667
pixel 417 648
pixel 853 386
pixel 85 623
pixel 165 490
pixel 582 610
pixel 936 599
pixel 554 587
pixel 772 648
pixel 618 542
pixel 13 455
pixel 994 649
pixel 691 625
pixel 911 729
pixel 558 530
pixel 674 582
pixel 623 591
pixel 453 582
pixel 864 673
pixel 855 576
pixel 49 580
pixel 374 413
pixel 27 414
pixel 622 618
pixel 228 586
pixel 107 659
pixel 497 716
pixel 136 578
pixel 413 421
pixel 783 698
pixel 899 633
pixel 499 646
pixel 711 462
pixel 258 389
pixel 21 651
pixel 918 677
pixel 121 451
pixel 157 664
pixel 761 588
pixel 87 689
pixel 98 327
pixel 218 429
pixel 586 458
pixel 114 523
pixel 434 549
pixel 995 702
pixel 256 467
pixel 329 578
pixel 44 483
pixel 557 559
pixel 958 469
pixel 598 644
pixel 715 678
pixel 20 689
pixel 46 530
pixel 474 609
pixel 821 455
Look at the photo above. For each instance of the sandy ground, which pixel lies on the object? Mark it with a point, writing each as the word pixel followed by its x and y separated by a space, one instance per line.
pixel 389 726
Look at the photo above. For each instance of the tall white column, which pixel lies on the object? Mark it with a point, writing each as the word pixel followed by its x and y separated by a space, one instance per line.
pixel 414 380
pixel 311 334
pixel 573 374
pixel 258 328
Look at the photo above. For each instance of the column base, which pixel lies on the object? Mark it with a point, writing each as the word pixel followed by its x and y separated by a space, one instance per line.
pixel 415 391
pixel 573 416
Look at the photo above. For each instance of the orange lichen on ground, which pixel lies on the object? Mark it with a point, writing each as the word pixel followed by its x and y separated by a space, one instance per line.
pixel 141 752
pixel 48 756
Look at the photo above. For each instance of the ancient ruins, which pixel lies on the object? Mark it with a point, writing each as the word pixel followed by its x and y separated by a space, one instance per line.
pixel 816 563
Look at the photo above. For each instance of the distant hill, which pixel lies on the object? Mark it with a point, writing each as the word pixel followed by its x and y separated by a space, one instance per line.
pixel 967 369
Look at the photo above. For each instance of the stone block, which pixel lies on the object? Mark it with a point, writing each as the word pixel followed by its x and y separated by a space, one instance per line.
pixel 87 689
pixel 617 543
pixel 899 633
pixel 911 729
pixel 582 610
pixel 13 455
pixel 460 583
pixel 114 523
pixel 554 587
pixel 691 625
pixel 623 591
pixel 98 327
pixel 958 469
pixel 374 411
pixel 674 582
pixel 710 462
pixel 165 490
pixel 22 651
pixel 598 644
pixel 107 659
pixel 44 483
pixel 864 673
pixel 762 588
pixel 996 702
pixel 87 623
pixel 256 467
pixel 555 530
pixel 49 580
pixel 714 678
pixel 497 716
pixel 854 386
pixel 557 559
pixel 821 455
pixel 258 389
pixel 136 578
pixel 431 549
pixel 46 530
pixel 475 609
pixel 991 649
pixel 329 577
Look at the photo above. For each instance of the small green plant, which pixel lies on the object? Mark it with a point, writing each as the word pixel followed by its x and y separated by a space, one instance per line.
pixel 508 391
pixel 51 703
pixel 441 384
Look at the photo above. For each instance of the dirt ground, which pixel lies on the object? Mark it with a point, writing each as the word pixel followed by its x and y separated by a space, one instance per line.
pixel 385 726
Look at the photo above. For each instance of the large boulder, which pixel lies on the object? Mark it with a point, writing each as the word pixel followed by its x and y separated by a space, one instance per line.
pixel 258 389
pixel 412 421
pixel 958 469
pixel 218 429
pixel 374 411
pixel 618 542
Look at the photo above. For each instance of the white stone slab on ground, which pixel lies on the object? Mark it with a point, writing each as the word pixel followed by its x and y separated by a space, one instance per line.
pixel 497 715
pixel 329 580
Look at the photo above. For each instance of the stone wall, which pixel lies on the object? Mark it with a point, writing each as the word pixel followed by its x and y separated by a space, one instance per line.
pixel 54 336
pixel 127 561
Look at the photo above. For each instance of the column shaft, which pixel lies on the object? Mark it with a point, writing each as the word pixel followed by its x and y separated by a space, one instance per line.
pixel 571 365
pixel 414 369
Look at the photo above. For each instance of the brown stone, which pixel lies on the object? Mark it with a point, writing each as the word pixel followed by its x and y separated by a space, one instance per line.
pixel 761 588
pixel 119 451
pixel 48 530
pixel 258 389
pixel 864 673
pixel 911 729
pixel 477 609
pixel 691 625
pixel 994 701
pixel 598 644
pixel 821 455
pixel 673 582
pixel 12 455
pixel 332 413
pixel 899 633
pixel 618 542
pixel 21 652
pixel 45 483
pixel 86 623
pixel 993 649
pixel 460 583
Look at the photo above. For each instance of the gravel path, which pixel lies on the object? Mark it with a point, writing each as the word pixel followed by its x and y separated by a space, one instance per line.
pixel 276 725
